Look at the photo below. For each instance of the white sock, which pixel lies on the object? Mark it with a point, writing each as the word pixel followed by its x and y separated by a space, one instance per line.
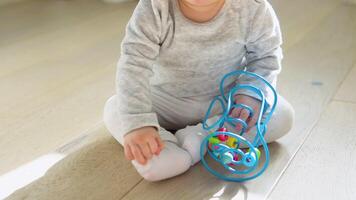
pixel 191 137
pixel 172 161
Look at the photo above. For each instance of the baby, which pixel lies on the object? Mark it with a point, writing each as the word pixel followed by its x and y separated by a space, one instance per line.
pixel 173 56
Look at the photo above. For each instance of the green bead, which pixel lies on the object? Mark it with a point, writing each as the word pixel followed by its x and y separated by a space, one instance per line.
pixel 214 140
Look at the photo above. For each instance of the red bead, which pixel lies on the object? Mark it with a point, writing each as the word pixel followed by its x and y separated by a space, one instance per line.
pixel 223 137
pixel 236 157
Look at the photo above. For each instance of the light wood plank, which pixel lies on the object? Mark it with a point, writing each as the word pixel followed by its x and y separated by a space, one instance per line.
pixel 310 77
pixel 58 122
pixel 347 89
pixel 324 168
pixel 47 30
pixel 59 97
pixel 98 171
pixel 20 22
pixel 298 18
pixel 57 90
pixel 5 2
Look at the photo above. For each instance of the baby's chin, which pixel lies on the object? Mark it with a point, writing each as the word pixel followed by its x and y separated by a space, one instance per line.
pixel 201 2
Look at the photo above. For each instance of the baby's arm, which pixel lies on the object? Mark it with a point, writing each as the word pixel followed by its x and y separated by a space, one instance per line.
pixel 139 49
pixel 263 56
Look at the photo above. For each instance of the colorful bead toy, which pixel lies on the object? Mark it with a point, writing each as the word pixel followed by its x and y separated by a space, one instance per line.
pixel 224 146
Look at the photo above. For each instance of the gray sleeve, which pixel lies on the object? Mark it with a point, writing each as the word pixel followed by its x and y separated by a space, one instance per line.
pixel 263 51
pixel 139 49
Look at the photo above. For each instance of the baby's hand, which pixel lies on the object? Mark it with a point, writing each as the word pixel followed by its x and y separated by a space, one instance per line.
pixel 243 114
pixel 142 143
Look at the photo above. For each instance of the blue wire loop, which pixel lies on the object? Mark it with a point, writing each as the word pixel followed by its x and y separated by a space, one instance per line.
pixel 241 166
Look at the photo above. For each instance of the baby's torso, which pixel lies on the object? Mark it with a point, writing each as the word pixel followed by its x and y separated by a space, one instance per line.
pixel 194 56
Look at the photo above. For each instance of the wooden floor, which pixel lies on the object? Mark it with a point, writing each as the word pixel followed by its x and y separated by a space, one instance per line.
pixel 57 68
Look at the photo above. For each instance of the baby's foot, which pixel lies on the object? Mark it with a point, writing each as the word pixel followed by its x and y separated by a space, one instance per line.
pixel 172 161
pixel 191 137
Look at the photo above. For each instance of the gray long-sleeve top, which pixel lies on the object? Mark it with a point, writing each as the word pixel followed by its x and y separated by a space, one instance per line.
pixel 164 50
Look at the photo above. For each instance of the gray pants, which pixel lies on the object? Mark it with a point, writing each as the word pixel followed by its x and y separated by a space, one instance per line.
pixel 177 114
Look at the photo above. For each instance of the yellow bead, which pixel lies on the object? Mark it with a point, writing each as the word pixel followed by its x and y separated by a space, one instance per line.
pixel 231 142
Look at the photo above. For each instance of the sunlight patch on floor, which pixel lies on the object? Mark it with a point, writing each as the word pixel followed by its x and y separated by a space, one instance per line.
pixel 27 173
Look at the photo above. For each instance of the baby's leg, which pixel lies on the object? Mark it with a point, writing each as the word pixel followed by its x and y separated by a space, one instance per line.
pixel 191 137
pixel 279 125
pixel 171 161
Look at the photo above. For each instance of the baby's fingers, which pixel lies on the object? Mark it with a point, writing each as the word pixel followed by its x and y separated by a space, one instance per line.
pixel 128 153
pixel 153 144
pixel 243 116
pixel 145 149
pixel 136 151
pixel 252 122
pixel 235 112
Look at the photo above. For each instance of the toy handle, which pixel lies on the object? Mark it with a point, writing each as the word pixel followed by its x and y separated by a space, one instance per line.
pixel 240 72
